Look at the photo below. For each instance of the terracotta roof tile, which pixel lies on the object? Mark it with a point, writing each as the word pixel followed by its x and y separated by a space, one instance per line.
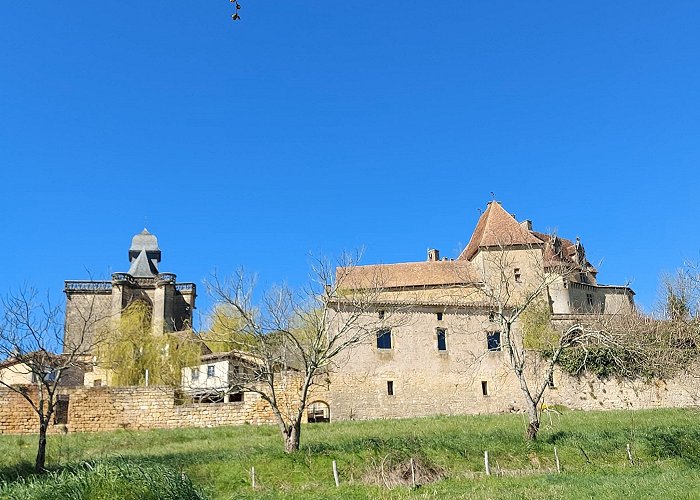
pixel 408 274
pixel 496 227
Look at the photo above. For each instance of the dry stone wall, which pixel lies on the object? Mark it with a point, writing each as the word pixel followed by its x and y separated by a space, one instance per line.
pixel 109 408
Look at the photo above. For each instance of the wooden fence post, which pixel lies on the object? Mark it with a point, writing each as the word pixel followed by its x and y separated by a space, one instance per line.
pixel 486 463
pixel 335 474
pixel 629 454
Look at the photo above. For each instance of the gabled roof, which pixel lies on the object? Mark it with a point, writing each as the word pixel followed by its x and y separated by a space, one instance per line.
pixel 409 274
pixel 497 228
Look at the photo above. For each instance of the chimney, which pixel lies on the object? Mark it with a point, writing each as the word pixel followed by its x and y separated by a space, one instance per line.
pixel 433 255
pixel 527 224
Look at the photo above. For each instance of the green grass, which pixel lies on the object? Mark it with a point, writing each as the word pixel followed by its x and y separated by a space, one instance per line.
pixel 591 446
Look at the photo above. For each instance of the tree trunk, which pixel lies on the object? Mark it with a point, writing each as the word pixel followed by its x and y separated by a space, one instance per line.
pixel 41 452
pixel 291 438
pixel 533 425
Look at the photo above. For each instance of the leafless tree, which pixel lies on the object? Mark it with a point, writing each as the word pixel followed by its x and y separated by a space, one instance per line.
pixel 31 330
pixel 515 280
pixel 292 339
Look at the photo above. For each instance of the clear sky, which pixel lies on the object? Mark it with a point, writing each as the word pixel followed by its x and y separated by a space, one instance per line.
pixel 318 126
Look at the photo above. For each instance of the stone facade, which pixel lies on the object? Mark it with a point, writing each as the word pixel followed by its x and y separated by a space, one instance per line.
pixel 93 409
pixel 440 352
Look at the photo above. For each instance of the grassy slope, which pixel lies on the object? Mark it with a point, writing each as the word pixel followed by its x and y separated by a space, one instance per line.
pixel 666 445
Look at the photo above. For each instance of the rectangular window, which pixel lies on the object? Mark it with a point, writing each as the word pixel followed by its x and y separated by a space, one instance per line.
pixel 195 374
pixel 492 316
pixel 97 382
pixel 484 388
pixel 589 299
pixel 439 316
pixel 384 339
pixel 517 275
pixel 236 397
pixel 493 340
pixel 381 314
pixel 390 387
pixel 441 339
pixel 210 371
pixel 61 411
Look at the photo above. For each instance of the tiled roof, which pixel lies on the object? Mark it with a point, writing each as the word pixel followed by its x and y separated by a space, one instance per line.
pixel 408 274
pixel 495 228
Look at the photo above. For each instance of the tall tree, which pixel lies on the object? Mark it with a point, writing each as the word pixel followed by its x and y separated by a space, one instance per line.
pixel 295 336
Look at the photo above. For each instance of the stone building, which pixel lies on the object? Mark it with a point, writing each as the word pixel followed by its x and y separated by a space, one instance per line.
pixel 440 351
pixel 171 303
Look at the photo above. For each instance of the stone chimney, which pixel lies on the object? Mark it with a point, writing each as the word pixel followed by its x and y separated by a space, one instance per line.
pixel 527 224
pixel 433 255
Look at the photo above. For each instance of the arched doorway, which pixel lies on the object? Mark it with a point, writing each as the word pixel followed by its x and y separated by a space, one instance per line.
pixel 319 411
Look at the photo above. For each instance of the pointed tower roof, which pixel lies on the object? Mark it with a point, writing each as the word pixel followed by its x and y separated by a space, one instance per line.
pixel 497 228
pixel 142 266
pixel 144 255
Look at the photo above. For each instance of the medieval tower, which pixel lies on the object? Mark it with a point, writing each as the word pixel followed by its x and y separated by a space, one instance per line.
pixel 101 302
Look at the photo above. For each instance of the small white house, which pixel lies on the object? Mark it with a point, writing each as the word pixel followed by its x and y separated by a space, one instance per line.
pixel 217 378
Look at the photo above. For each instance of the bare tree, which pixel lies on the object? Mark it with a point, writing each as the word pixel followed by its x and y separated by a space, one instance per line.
pixel 515 282
pixel 291 338
pixel 30 331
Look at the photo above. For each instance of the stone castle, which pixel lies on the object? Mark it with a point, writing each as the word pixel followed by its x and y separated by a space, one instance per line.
pixel 444 356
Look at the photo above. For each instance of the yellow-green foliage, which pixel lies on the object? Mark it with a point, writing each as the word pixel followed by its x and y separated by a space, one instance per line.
pixel 227 331
pixel 538 333
pixel 132 349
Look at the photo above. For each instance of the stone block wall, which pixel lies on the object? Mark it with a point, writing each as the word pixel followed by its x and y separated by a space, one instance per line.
pixel 94 409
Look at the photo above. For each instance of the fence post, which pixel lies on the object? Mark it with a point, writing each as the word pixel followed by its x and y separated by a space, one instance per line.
pixel 556 458
pixel 486 463
pixel 252 476
pixel 629 454
pixel 413 473
pixel 335 474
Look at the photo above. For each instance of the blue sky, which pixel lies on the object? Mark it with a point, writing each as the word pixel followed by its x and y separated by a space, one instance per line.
pixel 317 126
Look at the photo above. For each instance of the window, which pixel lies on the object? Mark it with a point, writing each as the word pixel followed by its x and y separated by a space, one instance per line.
pixel 439 316
pixel 390 387
pixel 493 340
pixel 441 339
pixel 484 388
pixel 195 374
pixel 384 339
pixel 61 412
pixel 550 381
pixel 97 382
pixel 492 316
pixel 236 397
pixel 210 371
pixel 517 275
pixel 589 299
pixel 381 314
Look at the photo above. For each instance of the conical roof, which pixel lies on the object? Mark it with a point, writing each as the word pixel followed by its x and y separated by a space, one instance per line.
pixel 497 228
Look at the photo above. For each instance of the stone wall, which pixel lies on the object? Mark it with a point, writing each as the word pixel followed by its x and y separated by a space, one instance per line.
pixel 467 378
pixel 109 408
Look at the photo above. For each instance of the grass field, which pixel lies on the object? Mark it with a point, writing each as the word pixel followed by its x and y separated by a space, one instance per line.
pixel 448 455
